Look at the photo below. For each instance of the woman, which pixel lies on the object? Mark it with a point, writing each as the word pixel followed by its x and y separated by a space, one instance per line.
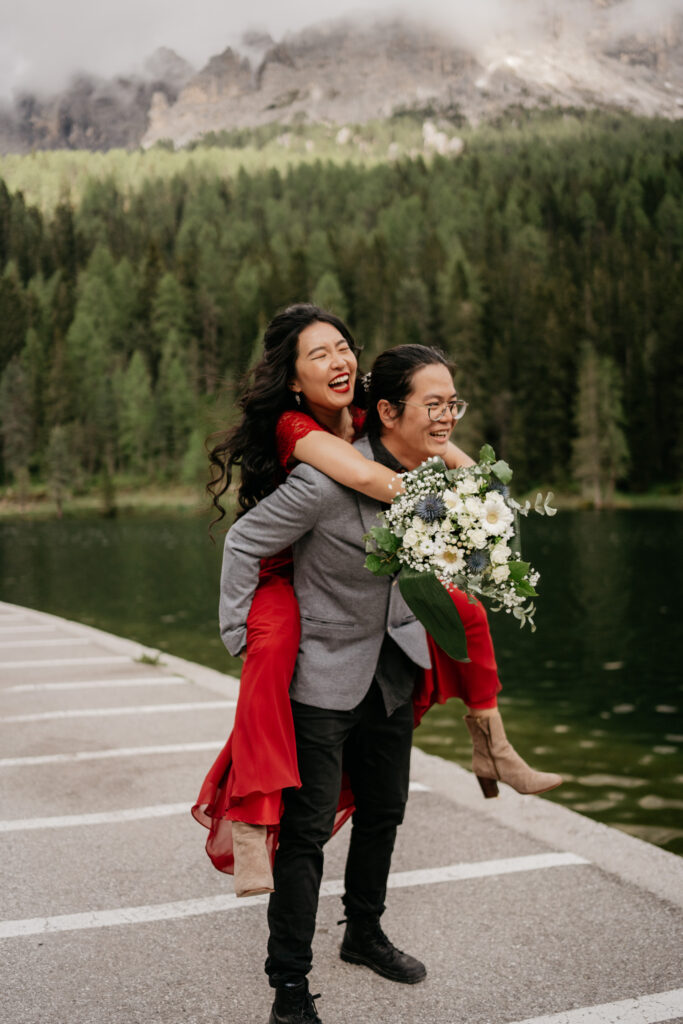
pixel 299 408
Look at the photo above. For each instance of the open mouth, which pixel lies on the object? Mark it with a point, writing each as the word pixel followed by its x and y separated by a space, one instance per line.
pixel 440 435
pixel 340 383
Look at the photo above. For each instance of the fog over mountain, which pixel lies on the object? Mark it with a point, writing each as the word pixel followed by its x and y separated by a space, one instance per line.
pixel 81 76
pixel 43 44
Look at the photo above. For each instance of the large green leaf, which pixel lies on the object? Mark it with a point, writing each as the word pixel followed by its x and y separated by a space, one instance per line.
pixel 433 606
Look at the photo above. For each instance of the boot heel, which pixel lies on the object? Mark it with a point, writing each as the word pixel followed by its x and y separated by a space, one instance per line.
pixel 489 787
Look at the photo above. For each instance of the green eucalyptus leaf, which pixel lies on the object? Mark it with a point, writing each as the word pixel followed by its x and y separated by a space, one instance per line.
pixel 385 539
pixel 487 454
pixel 382 565
pixel 390 566
pixel 434 608
pixel 374 563
pixel 518 570
pixel 434 464
pixel 502 471
pixel 524 588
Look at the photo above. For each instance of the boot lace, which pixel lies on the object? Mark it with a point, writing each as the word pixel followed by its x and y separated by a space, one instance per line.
pixel 309 1012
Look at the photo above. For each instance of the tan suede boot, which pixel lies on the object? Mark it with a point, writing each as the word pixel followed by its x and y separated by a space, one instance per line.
pixel 253 874
pixel 494 759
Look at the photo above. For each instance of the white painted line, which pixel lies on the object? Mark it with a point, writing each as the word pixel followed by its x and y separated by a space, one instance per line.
pixel 130 709
pixel 482 869
pixel 419 787
pixel 102 755
pixel 661 1006
pixel 12 630
pixel 101 818
pixel 58 642
pixel 109 659
pixel 97 684
pixel 216 904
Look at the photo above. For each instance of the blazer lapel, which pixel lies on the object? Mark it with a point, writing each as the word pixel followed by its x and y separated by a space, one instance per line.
pixel 369 508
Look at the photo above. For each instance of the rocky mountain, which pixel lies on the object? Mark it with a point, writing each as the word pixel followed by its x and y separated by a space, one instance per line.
pixel 347 72
pixel 93 113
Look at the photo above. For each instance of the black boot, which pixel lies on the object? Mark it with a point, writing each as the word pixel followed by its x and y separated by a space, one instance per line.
pixel 294 1005
pixel 365 943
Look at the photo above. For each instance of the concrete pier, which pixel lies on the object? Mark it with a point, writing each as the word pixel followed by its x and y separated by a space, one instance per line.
pixel 111 913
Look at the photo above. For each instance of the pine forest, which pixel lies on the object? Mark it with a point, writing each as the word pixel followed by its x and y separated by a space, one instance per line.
pixel 546 258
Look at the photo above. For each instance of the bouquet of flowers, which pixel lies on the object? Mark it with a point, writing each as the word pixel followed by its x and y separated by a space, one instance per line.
pixel 456 528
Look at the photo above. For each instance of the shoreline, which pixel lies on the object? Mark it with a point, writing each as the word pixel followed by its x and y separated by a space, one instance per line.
pixel 189 502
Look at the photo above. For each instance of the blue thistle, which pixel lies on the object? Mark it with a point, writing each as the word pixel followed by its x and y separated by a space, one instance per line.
pixel 430 508
pixel 496 485
pixel 477 561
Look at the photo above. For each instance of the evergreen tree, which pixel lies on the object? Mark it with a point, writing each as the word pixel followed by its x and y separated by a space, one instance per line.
pixel 16 423
pixel 135 414
pixel 600 454
pixel 12 315
pixel 328 295
pixel 60 466
pixel 175 401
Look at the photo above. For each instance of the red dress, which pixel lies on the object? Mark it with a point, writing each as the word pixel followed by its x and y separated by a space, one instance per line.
pixel 258 761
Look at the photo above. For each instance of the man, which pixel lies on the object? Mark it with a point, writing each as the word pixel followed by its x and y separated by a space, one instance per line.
pixel 360 651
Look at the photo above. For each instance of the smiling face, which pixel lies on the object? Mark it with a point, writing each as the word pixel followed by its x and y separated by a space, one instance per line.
pixel 407 430
pixel 325 368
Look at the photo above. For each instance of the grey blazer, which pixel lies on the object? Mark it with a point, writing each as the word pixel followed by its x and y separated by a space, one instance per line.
pixel 345 610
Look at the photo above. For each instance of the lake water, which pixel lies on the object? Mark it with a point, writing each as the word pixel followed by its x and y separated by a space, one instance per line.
pixel 596 693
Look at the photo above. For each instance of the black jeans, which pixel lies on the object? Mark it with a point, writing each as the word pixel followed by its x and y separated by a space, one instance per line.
pixel 375 751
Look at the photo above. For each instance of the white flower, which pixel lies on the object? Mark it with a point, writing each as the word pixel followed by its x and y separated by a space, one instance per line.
pixel 426 546
pixel 473 507
pixel 419 524
pixel 452 500
pixel 500 554
pixel 500 573
pixel 410 538
pixel 468 486
pixel 438 543
pixel 451 560
pixel 496 516
pixel 477 538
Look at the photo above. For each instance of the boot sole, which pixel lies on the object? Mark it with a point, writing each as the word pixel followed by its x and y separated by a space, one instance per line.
pixel 356 958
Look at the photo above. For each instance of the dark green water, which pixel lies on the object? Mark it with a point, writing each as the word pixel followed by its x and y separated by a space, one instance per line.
pixel 596 693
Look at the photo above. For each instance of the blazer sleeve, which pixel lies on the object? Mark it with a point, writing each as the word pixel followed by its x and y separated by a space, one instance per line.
pixel 277 521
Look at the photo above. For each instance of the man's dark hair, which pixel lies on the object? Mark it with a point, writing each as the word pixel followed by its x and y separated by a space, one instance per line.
pixel 392 375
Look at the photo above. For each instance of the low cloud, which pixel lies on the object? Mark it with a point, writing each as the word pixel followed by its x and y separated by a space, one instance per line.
pixel 43 43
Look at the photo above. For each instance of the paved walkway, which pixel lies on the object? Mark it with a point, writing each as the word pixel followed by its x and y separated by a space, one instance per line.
pixel 111 913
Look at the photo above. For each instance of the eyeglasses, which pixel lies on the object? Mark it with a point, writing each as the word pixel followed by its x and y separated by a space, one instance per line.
pixel 437 410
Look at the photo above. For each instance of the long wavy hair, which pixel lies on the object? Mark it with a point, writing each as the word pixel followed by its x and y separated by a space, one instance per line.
pixel 251 445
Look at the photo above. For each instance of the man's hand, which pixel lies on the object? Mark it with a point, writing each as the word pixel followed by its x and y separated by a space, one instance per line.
pixel 243 654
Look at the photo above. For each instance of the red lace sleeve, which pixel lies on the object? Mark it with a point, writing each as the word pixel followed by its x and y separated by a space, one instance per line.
pixel 291 427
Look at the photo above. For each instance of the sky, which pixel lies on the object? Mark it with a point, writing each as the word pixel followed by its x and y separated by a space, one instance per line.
pixel 44 42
